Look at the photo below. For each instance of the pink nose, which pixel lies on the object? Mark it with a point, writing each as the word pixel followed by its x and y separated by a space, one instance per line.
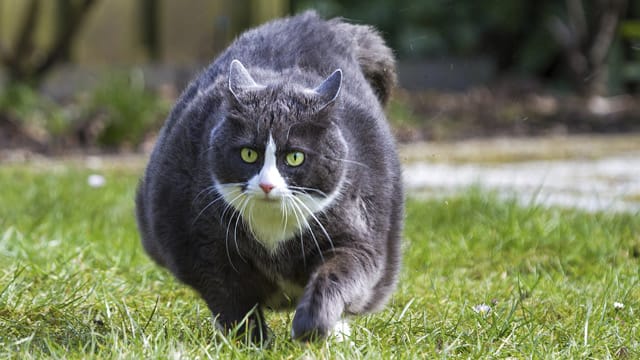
pixel 266 187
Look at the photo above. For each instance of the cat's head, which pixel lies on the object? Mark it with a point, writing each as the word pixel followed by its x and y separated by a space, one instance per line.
pixel 278 157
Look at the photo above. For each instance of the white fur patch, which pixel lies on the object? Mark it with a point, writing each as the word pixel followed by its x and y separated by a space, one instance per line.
pixel 341 332
pixel 270 175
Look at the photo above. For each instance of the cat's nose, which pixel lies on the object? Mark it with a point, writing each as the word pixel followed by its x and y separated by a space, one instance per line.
pixel 266 187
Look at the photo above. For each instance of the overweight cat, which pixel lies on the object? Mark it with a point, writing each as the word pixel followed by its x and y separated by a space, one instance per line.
pixel 275 183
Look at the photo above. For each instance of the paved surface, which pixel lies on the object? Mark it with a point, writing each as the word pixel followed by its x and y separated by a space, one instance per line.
pixel 608 183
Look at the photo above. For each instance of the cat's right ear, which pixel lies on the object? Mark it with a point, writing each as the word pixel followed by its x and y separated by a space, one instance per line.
pixel 240 81
pixel 330 88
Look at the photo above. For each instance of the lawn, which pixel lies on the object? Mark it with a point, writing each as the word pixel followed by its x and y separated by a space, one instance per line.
pixel 482 278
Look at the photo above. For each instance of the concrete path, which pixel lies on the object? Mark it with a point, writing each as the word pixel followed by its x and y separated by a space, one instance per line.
pixel 611 182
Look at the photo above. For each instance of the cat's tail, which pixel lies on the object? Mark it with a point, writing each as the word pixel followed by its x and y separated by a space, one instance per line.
pixel 375 58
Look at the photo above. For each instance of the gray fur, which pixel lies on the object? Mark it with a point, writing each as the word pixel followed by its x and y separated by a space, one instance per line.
pixel 309 84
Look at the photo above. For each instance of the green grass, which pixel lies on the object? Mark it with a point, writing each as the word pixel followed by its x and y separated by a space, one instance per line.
pixel 75 283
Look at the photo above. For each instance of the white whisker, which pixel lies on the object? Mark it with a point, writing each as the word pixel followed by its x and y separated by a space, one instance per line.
pixel 209 148
pixel 231 206
pixel 226 244
pixel 231 203
pixel 301 189
pixel 285 201
pixel 313 216
pixel 285 215
pixel 352 162
pixel 298 209
pixel 247 214
pixel 215 200
pixel 241 211
pixel 208 190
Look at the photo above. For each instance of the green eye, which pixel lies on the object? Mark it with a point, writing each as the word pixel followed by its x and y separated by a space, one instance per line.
pixel 249 155
pixel 295 158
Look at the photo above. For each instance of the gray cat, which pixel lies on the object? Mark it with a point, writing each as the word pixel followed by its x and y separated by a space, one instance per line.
pixel 275 182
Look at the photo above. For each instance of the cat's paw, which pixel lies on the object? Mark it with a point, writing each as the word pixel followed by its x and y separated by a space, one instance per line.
pixel 309 326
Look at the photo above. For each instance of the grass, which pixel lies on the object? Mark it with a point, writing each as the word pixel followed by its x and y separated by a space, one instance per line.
pixel 75 283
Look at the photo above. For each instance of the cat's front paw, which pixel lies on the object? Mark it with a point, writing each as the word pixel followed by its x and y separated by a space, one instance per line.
pixel 309 325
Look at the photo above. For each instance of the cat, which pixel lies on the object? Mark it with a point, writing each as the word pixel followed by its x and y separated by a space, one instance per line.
pixel 275 182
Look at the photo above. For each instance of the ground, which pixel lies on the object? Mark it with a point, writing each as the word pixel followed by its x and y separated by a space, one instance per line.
pixel 484 276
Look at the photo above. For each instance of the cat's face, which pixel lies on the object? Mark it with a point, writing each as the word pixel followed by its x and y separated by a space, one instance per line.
pixel 277 158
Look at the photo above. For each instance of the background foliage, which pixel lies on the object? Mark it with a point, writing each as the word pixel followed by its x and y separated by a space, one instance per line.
pixel 517 34
pixel 61 63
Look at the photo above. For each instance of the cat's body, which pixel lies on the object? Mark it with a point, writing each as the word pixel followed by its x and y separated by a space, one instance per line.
pixel 277 185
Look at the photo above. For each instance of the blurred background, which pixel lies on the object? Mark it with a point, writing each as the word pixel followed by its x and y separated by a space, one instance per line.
pixel 101 75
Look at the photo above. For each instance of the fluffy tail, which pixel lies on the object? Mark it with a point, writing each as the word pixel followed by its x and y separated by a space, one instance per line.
pixel 376 59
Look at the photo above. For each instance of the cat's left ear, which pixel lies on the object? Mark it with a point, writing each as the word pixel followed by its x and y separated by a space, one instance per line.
pixel 330 88
pixel 240 81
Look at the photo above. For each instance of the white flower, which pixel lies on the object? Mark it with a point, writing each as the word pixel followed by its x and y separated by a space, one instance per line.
pixel 618 305
pixel 95 180
pixel 482 309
